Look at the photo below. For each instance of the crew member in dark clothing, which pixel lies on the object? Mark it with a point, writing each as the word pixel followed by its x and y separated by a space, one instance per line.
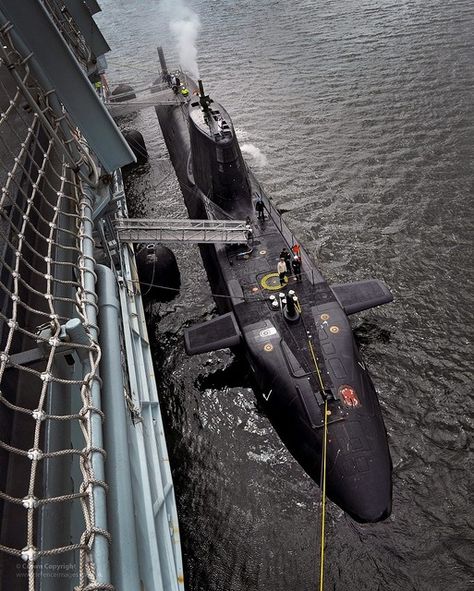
pixel 296 266
pixel 260 209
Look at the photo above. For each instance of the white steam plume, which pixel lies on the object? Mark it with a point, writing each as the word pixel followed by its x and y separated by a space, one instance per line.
pixel 256 153
pixel 185 25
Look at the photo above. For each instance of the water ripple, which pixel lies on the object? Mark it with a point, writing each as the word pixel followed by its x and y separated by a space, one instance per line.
pixel 364 111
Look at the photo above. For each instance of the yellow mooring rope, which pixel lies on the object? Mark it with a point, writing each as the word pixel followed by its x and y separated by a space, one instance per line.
pixel 323 462
pixel 323 475
pixel 316 365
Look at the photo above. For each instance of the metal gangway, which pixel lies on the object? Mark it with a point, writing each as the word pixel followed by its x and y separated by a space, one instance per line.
pixel 136 100
pixel 183 230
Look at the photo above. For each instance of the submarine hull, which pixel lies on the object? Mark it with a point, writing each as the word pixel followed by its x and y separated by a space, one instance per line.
pixel 296 366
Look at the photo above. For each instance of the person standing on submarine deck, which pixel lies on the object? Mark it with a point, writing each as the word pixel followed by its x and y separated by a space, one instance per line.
pixel 259 208
pixel 296 266
pixel 282 270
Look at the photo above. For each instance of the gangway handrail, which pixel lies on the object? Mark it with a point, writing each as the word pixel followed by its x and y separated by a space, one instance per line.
pixel 194 231
pixel 178 222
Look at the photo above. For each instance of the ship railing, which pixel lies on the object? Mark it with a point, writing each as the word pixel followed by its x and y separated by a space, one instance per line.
pixel 60 14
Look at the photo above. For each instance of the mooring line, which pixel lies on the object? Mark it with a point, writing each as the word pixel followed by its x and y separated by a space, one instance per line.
pixel 323 460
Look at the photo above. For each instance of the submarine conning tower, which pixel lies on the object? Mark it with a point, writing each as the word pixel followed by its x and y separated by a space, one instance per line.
pixel 218 167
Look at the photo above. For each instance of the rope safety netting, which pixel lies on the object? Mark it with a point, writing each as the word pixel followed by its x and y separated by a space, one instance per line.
pixel 69 30
pixel 51 475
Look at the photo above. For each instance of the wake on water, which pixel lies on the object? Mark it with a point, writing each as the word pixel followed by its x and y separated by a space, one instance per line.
pixel 258 156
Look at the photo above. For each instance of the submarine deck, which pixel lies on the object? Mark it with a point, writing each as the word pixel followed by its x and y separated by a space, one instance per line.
pixel 256 273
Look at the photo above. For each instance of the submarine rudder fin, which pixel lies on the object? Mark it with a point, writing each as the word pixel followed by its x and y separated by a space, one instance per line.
pixel 218 333
pixel 361 295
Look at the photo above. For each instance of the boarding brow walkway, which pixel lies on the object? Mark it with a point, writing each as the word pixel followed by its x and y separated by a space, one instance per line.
pixel 190 231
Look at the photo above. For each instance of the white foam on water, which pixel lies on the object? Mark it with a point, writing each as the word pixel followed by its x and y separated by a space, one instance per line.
pixel 258 156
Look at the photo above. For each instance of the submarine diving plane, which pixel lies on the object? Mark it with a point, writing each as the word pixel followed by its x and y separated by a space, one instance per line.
pixel 297 337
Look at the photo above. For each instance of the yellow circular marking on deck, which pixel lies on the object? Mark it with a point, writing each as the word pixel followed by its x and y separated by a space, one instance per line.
pixel 324 316
pixel 263 252
pixel 271 282
pixel 334 329
pixel 268 347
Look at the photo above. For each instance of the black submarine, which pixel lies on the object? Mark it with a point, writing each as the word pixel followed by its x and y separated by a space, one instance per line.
pixel 297 338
